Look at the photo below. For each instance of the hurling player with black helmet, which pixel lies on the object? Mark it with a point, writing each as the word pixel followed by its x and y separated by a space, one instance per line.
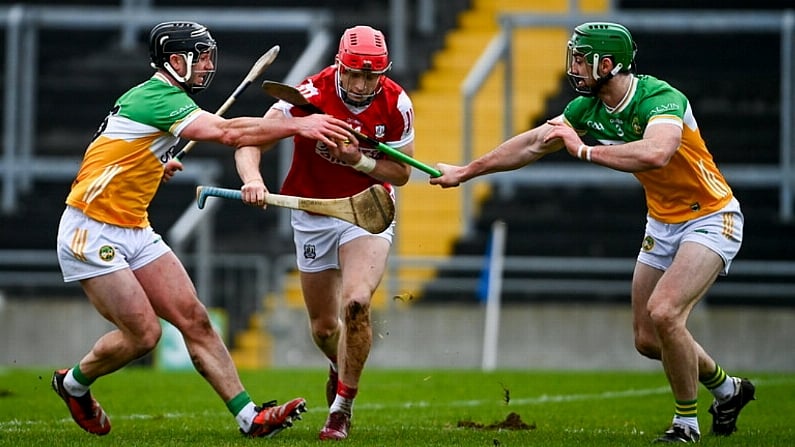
pixel 340 264
pixel 105 240
pixel 694 225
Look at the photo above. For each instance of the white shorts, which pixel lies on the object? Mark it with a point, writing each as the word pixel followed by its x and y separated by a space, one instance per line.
pixel 318 239
pixel 89 248
pixel 721 232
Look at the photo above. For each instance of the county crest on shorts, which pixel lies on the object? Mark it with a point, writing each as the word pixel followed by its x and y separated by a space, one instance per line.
pixel 309 251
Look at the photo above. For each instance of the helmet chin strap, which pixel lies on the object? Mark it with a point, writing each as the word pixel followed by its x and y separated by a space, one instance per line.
pixel 183 80
pixel 347 99
pixel 602 80
pixel 343 93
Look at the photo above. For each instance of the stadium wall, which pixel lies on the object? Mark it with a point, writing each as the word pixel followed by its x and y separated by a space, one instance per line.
pixel 44 332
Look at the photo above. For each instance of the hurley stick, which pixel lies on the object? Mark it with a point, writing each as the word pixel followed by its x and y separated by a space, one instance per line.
pixel 371 209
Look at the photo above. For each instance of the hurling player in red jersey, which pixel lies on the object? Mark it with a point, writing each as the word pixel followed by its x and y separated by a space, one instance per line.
pixel 341 264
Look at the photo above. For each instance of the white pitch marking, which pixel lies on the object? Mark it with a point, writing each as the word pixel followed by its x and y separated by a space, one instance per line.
pixel 17 425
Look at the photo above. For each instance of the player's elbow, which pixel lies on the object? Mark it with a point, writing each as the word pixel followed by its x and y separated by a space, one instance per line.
pixel 225 136
pixel 237 135
pixel 398 174
pixel 660 150
pixel 657 158
pixel 400 181
pixel 234 139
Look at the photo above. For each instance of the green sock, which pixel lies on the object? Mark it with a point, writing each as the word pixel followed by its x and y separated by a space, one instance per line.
pixel 686 408
pixel 81 379
pixel 715 379
pixel 237 403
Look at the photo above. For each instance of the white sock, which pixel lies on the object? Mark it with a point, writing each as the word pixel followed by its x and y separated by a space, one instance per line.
pixel 246 416
pixel 689 422
pixel 342 404
pixel 725 390
pixel 73 387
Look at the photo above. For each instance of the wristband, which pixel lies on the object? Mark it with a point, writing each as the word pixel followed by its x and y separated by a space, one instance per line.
pixel 587 152
pixel 365 164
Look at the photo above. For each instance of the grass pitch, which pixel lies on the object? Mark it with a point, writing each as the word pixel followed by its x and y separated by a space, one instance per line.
pixel 394 408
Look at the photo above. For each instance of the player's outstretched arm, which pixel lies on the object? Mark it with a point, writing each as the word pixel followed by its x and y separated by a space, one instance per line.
pixel 514 153
pixel 251 131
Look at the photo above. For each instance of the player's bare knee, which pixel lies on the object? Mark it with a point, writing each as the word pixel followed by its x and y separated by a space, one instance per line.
pixel 146 340
pixel 664 317
pixel 647 347
pixel 357 312
pixel 194 321
pixel 325 330
pixel 198 329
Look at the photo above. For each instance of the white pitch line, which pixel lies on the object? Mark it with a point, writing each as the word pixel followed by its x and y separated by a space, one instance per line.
pixel 17 425
pixel 543 399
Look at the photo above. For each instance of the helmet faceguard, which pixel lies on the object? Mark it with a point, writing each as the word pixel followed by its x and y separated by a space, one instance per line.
pixel 362 55
pixel 595 41
pixel 189 40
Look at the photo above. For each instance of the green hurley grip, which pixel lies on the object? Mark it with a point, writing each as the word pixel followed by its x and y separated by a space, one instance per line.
pixel 411 161
pixel 387 149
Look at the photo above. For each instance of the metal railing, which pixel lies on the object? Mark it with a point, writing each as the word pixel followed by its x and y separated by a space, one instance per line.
pixel 526 275
pixel 239 281
pixel 243 281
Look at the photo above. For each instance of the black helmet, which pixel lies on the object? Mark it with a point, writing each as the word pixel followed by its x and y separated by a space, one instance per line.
pixel 188 39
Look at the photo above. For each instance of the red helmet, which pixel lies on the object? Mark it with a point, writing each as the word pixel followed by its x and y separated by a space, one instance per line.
pixel 364 48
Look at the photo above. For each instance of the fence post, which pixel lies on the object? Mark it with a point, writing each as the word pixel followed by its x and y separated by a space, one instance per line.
pixel 491 329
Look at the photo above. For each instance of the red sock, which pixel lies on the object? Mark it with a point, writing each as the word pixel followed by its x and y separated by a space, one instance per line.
pixel 346 391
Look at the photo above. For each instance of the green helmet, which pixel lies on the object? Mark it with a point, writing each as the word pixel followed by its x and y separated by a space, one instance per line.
pixel 597 40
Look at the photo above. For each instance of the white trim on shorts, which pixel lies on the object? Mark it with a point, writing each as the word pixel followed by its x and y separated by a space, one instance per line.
pixel 721 232
pixel 87 248
pixel 318 238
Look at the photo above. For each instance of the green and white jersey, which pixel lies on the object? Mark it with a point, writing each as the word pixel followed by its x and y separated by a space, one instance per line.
pixel 690 185
pixel 123 166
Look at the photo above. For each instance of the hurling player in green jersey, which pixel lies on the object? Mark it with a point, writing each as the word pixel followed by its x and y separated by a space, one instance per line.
pixel 129 273
pixel 694 224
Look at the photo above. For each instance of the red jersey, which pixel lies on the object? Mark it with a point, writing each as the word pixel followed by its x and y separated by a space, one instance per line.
pixel 389 118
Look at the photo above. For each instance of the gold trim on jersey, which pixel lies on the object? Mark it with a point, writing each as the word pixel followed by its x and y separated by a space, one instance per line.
pixel 713 182
pixel 78 244
pixel 665 119
pixel 100 183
